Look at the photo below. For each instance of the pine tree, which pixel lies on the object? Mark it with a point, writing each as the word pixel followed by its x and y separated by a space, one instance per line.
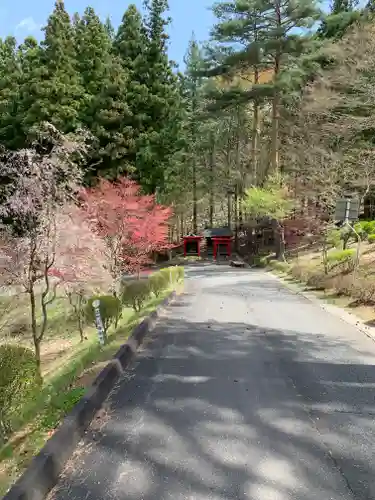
pixel 104 109
pixel 57 90
pixel 343 14
pixel 261 36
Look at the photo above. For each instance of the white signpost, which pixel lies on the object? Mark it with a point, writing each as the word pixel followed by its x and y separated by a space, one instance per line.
pixel 99 322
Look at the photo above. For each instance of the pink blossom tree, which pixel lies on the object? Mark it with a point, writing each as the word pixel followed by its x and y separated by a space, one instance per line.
pixel 37 182
pixel 80 264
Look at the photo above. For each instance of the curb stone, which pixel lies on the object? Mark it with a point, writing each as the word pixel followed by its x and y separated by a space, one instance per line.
pixel 339 312
pixel 45 468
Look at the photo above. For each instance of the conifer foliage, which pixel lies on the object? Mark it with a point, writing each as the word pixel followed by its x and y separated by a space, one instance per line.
pixel 120 86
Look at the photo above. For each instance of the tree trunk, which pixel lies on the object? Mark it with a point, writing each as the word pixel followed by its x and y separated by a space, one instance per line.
pixel 275 134
pixel 37 355
pixel 212 181
pixel 195 200
pixel 79 315
pixel 229 210
pixel 34 328
pixel 255 133
pixel 182 225
pixel 239 182
pixel 240 215
pixel 276 100
pixel 282 242
pixel 236 218
pixel 280 254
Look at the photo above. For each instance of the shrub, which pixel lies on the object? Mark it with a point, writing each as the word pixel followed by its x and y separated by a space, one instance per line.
pixel 343 285
pixel 178 274
pixel 317 280
pixel 334 237
pixel 365 228
pixel 135 293
pixel 299 272
pixel 166 276
pixel 261 260
pixel 19 381
pixel 335 257
pixel 364 291
pixel 278 265
pixel 110 310
pixel 171 275
pixel 371 238
pixel 156 284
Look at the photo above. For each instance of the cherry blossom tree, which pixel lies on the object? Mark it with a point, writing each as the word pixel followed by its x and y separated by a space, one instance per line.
pixel 80 264
pixel 35 184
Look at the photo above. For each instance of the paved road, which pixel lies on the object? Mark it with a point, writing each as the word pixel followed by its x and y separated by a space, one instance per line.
pixel 244 391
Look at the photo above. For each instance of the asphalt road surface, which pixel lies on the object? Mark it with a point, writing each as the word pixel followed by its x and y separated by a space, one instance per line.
pixel 243 391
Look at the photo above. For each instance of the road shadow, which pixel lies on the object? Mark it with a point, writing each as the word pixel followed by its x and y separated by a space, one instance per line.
pixel 217 410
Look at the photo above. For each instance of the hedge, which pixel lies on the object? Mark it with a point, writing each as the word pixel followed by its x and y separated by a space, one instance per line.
pixel 340 256
pixel 19 382
pixel 110 310
pixel 136 292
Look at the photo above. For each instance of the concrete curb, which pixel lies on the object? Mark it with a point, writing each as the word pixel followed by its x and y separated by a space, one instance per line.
pixel 339 312
pixel 43 472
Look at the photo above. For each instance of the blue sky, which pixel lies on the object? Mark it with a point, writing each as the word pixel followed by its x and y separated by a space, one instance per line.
pixel 187 15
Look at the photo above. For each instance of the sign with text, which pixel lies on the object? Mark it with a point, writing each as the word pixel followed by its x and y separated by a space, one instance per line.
pixel 347 209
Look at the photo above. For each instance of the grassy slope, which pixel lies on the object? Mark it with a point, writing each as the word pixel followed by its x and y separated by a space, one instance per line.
pixel 69 366
pixel 313 261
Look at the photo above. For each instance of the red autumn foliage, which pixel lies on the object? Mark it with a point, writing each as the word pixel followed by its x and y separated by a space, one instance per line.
pixel 132 224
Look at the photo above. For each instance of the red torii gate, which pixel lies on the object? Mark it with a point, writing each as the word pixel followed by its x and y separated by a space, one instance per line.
pixel 222 240
pixel 192 239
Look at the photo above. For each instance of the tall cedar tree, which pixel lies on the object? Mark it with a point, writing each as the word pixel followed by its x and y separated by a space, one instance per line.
pixel 104 107
pixel 131 45
pixel 261 34
pixel 160 140
pixel 192 84
pixel 10 80
pixel 55 76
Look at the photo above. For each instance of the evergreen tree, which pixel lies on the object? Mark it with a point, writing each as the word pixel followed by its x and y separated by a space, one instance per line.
pixel 104 108
pixel 159 141
pixel 109 29
pixel 343 14
pixel 261 36
pixel 192 84
pixel 92 47
pixel 130 45
pixel 57 90
pixel 10 79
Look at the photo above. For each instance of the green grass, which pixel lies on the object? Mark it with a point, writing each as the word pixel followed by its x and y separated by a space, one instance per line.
pixel 63 389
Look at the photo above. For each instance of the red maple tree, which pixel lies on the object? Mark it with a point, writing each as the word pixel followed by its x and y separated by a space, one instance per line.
pixel 132 224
